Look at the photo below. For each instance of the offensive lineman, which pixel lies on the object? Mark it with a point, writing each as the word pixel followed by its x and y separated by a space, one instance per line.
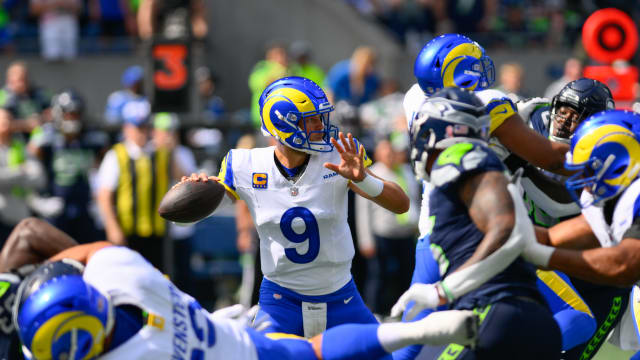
pixel 121 307
pixel 549 202
pixel 602 245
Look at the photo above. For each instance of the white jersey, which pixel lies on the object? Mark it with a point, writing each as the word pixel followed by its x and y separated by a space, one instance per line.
pixel 625 335
pixel 499 108
pixel 611 235
pixel 178 327
pixel 305 241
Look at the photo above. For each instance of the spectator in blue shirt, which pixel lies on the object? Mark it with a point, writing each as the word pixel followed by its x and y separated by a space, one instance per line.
pixel 132 81
pixel 354 80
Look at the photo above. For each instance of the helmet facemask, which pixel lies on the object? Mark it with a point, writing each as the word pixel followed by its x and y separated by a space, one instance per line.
pixel 303 138
pixel 585 97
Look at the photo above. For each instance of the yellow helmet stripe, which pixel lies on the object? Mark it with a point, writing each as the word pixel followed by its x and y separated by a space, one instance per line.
pixel 607 134
pixel 62 324
pixel 582 150
pixel 452 59
pixel 296 97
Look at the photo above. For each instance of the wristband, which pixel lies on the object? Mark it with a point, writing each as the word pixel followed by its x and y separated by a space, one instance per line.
pixel 371 185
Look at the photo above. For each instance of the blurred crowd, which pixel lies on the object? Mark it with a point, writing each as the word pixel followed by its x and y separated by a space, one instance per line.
pixel 60 29
pixel 493 23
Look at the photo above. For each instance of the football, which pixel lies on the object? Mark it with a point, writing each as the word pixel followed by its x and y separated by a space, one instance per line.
pixel 191 201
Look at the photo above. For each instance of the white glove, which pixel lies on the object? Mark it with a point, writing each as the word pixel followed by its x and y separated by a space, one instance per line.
pixel 246 317
pixel 230 312
pixel 425 296
pixel 527 106
pixel 536 253
pixel 450 326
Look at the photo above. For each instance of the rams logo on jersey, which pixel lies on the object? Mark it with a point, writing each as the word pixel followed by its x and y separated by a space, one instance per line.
pixel 260 180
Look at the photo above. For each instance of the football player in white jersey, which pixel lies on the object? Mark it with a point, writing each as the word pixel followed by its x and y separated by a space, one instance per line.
pixel 297 194
pixel 602 245
pixel 121 307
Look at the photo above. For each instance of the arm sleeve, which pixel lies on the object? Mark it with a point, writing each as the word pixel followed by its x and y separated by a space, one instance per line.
pixel 468 279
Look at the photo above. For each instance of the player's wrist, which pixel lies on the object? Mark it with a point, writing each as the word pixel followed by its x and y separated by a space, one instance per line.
pixel 538 254
pixel 443 293
pixel 370 185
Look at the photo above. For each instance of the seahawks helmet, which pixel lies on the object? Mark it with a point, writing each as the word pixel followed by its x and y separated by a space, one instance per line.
pixel 64 318
pixel 586 97
pixel 67 111
pixel 287 101
pixel 449 116
pixel 453 60
pixel 605 152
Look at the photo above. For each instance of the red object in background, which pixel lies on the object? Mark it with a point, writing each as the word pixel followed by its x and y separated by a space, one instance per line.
pixel 610 34
pixel 171 64
pixel 621 82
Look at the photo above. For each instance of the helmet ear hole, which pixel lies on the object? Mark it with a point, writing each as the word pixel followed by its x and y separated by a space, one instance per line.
pixel 438 63
pixel 619 171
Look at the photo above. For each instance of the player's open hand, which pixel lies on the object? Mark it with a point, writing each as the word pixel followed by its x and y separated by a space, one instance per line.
pixel 352 158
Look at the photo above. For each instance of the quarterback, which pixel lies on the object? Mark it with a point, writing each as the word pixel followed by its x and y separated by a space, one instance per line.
pixel 296 192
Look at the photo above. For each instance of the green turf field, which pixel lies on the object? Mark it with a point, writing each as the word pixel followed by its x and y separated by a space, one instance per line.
pixel 610 352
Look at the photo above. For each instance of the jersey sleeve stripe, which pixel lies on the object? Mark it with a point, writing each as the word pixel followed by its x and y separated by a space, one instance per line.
pixel 226 174
pixel 499 111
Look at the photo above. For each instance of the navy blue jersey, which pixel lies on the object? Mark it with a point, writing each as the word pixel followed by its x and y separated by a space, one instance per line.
pixel 68 164
pixel 540 120
pixel 454 237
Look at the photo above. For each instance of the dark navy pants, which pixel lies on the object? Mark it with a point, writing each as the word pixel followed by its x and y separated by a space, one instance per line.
pixel 512 328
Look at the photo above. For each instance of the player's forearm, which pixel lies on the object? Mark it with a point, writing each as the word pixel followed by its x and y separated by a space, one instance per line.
pixel 393 198
pixel 531 146
pixel 81 253
pixel 572 234
pixel 609 266
pixel 32 241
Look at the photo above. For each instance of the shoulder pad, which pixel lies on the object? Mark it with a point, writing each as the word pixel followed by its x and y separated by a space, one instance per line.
pixel 499 109
pixel 460 159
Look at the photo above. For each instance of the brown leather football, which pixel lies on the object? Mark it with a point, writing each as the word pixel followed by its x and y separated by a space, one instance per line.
pixel 191 201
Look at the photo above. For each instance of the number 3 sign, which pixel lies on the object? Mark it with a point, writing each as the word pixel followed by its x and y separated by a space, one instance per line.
pixel 171 76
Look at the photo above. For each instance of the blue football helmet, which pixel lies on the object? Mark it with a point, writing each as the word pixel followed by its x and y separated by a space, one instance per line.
pixel 64 319
pixel 605 152
pixel 586 97
pixel 449 116
pixel 453 60
pixel 287 101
